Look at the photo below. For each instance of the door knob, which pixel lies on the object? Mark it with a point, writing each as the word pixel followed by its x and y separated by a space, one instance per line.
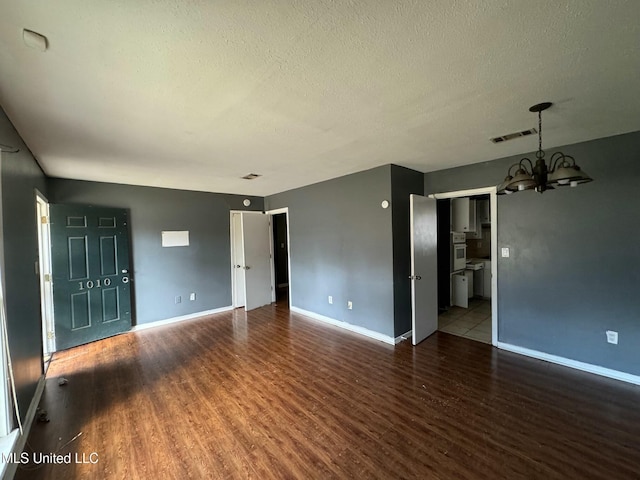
pixel 247 267
pixel 238 266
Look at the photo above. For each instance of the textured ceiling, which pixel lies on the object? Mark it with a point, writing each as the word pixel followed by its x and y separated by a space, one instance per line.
pixel 194 95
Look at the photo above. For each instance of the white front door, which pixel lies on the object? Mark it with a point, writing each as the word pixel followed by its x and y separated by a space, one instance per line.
pixel 257 261
pixel 424 267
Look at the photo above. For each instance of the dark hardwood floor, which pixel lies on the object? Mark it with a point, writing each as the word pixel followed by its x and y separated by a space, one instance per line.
pixel 272 394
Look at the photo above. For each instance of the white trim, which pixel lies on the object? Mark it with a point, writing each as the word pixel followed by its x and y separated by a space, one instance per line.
pixel 567 362
pixel 6 411
pixel 44 265
pixel 182 318
pixel 493 211
pixel 8 470
pixel 276 211
pixel 347 326
pixel 464 193
pixel 403 337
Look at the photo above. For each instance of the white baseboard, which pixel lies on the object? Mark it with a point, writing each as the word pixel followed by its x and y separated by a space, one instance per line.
pixel 567 362
pixel 347 326
pixel 21 439
pixel 404 336
pixel 182 318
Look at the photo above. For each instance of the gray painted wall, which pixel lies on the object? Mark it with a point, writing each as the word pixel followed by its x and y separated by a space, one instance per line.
pixel 404 182
pixel 21 175
pixel 341 245
pixel 161 274
pixel 573 271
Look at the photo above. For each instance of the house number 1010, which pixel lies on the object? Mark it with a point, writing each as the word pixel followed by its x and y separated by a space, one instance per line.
pixel 90 284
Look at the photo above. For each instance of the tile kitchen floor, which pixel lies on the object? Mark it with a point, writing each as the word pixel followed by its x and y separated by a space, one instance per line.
pixel 473 322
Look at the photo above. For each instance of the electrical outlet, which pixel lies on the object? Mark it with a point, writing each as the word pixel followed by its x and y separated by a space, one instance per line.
pixel 192 297
pixel 505 252
pixel 350 305
pixel 178 299
pixel 612 337
pixel 330 300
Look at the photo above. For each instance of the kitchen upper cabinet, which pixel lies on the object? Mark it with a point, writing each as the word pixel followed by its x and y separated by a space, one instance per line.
pixel 483 212
pixel 463 214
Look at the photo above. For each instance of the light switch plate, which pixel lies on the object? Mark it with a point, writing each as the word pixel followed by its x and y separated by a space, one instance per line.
pixel 612 337
pixel 505 252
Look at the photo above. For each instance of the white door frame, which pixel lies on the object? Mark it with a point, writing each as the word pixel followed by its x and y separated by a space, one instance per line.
pixel 45 279
pixel 6 414
pixel 493 205
pixel 271 213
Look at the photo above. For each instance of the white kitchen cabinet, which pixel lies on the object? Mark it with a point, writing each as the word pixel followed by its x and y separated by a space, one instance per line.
pixel 483 212
pixel 460 290
pixel 463 214
pixel 469 275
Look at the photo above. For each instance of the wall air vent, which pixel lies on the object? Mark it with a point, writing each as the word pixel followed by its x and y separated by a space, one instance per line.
pixel 251 176
pixel 511 136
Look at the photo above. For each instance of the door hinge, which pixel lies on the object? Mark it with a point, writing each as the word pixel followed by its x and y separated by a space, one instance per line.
pixel 44 219
pixel 51 335
pixel 47 277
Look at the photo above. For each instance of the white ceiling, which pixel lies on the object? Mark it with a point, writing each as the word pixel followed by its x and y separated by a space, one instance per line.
pixel 194 95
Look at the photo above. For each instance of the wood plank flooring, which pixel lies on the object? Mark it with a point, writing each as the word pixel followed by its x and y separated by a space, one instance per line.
pixel 271 394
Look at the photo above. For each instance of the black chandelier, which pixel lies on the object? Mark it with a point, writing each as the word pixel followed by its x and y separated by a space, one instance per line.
pixel 562 170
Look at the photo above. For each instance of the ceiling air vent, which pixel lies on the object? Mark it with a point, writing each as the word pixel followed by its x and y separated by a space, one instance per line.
pixel 251 176
pixel 511 136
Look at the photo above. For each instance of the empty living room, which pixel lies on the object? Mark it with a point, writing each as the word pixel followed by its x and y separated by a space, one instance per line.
pixel 295 239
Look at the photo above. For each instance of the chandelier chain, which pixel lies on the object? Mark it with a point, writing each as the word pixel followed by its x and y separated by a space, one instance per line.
pixel 540 153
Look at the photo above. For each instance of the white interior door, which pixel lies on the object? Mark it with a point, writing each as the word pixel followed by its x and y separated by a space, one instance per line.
pixel 257 261
pixel 238 261
pixel 424 267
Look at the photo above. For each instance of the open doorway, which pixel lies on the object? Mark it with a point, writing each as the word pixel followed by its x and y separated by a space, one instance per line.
pixel 260 258
pixel 467 235
pixel 280 257
pixel 251 260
